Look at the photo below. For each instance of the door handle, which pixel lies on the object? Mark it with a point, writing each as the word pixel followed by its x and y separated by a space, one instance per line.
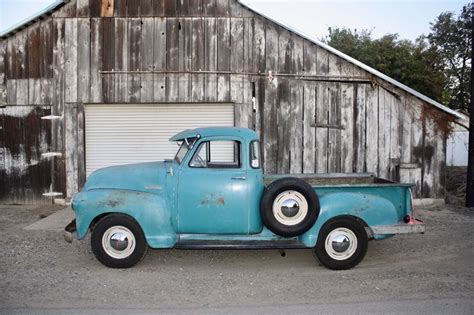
pixel 239 178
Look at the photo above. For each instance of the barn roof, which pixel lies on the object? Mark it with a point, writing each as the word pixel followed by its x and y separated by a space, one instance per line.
pixel 59 3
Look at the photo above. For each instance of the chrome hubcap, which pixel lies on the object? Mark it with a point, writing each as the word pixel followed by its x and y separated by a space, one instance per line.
pixel 341 243
pixel 290 208
pixel 118 242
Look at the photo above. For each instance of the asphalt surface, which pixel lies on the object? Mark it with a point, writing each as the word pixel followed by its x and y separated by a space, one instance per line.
pixel 430 273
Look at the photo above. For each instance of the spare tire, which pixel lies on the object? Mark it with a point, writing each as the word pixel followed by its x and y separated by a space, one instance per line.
pixel 289 207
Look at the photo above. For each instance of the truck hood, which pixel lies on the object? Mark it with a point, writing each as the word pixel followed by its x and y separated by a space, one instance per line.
pixel 146 177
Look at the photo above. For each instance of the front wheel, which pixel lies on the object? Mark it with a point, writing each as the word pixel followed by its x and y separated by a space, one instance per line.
pixel 118 242
pixel 342 244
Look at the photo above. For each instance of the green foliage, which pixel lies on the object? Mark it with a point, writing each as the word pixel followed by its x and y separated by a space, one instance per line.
pixel 451 36
pixel 437 65
pixel 413 64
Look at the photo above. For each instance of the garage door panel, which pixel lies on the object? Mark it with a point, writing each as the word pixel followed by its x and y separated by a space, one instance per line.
pixel 124 134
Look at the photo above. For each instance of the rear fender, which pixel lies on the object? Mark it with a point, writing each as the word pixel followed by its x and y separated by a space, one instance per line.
pixel 372 210
pixel 150 211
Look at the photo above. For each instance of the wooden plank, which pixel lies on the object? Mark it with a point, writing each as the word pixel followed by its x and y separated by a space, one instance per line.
pixel 417 124
pixel 11 91
pixel 223 59
pixel 108 54
pixel 134 55
pixel 71 145
pixel 83 59
pixel 296 128
pixel 248 45
pixel 121 60
pixel 22 56
pixel 237 66
pixel 283 128
pixel 384 134
pixel 197 60
pixel 158 8
pixel 22 86
pixel 120 8
pixel 429 159
pixel 33 52
pixel 46 91
pixel 146 59
pixel 222 8
pixel 185 55
pixel 259 108
pixel 209 7
pixel 172 45
pixel 395 127
pixel 34 92
pixel 95 7
pixel 107 8
pixel 270 128
pixel 309 132
pixel 359 124
pixel 322 61
pixel 190 8
pixel 210 59
pixel 259 46
pixel 82 8
pixel 170 8
pixel 372 129
pixel 146 7
pixel 96 61
pixel 159 59
pixel 133 8
pixel 334 135
pixel 309 58
pixel 322 107
pixel 46 46
pixel 3 68
pixel 348 133
pixel 58 83
pixel 405 140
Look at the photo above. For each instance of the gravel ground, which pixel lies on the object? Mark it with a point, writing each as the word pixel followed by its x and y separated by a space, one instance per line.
pixel 434 272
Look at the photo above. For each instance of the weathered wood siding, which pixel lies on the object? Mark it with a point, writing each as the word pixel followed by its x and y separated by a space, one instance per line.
pixel 314 111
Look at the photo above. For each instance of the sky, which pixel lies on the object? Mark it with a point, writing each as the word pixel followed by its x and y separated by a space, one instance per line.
pixel 407 18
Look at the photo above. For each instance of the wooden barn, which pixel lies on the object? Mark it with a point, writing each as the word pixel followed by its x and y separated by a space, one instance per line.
pixel 90 83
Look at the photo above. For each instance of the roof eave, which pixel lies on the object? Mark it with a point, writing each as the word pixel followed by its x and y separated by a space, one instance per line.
pixel 28 21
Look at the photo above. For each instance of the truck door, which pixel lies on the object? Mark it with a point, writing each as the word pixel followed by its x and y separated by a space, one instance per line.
pixel 212 190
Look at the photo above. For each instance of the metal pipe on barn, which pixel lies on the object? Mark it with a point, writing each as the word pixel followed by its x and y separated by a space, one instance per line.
pixel 470 163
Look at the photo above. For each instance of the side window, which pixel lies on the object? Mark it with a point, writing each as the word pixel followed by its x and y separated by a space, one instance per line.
pixel 255 154
pixel 217 154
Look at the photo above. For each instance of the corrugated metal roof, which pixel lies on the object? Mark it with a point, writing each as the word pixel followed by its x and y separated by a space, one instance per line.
pixel 354 61
pixel 21 25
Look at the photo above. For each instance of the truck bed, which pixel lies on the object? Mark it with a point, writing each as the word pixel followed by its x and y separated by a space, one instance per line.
pixel 333 179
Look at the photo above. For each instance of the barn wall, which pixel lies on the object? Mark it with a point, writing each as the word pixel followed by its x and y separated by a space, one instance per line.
pixel 315 112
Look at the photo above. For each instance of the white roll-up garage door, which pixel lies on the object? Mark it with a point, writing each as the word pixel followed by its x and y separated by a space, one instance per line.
pixel 124 134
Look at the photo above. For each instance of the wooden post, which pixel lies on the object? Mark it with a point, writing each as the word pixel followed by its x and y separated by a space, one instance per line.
pixel 470 163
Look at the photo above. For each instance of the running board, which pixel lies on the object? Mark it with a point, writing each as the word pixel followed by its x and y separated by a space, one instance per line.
pixel 212 244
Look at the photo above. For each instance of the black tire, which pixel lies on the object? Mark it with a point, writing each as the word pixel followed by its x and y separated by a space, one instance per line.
pixel 279 187
pixel 131 255
pixel 341 262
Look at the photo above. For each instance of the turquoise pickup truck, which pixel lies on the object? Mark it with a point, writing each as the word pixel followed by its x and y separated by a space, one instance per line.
pixel 213 195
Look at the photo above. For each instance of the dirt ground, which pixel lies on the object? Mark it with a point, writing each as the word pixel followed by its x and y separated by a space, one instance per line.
pixel 434 272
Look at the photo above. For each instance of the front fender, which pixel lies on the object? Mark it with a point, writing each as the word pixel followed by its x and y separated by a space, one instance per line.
pixel 371 209
pixel 151 211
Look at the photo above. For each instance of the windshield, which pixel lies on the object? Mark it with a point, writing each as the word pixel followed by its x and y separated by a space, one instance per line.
pixel 185 146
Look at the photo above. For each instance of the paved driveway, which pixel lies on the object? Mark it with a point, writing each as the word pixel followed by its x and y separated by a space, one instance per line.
pixel 433 272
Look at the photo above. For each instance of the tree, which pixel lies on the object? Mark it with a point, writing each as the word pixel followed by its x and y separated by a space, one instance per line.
pixel 414 64
pixel 451 36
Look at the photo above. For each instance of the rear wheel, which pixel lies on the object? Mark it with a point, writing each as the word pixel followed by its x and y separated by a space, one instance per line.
pixel 118 241
pixel 342 244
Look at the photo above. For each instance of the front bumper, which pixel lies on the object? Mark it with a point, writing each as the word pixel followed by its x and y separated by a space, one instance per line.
pixel 414 226
pixel 69 231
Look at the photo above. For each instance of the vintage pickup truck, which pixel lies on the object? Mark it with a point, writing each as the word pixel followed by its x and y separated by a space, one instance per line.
pixel 213 194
